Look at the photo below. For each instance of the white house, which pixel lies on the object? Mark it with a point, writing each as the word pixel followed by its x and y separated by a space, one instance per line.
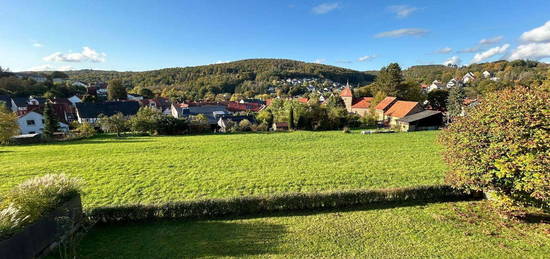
pixel 454 82
pixel 468 77
pixel 134 97
pixel 436 84
pixel 486 74
pixel 33 122
pixel 74 100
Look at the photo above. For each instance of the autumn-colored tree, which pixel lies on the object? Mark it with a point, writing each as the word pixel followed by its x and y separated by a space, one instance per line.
pixel 8 124
pixel 503 146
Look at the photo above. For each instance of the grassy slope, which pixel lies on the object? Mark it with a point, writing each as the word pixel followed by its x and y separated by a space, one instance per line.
pixel 463 229
pixel 160 169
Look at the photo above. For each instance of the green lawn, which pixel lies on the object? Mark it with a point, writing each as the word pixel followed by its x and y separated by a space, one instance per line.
pixel 451 230
pixel 160 169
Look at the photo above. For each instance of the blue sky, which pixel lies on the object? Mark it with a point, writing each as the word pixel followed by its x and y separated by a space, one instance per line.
pixel 362 35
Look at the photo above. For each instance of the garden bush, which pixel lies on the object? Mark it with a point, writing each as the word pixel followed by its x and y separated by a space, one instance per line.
pixel 31 199
pixel 211 208
pixel 503 146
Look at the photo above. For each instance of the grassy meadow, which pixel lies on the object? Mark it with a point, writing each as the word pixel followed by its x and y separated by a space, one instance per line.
pixel 133 170
pixel 449 230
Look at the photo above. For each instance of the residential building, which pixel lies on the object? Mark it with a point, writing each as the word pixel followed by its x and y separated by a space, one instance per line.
pixel 225 122
pixel 468 77
pixel 424 120
pixel 240 107
pixel 487 74
pixel 161 104
pixel 399 110
pixel 19 104
pixel 32 122
pixel 455 82
pixel 74 100
pixel 436 84
pixel 89 112
pixel 355 105
pixel 383 106
pixel 134 97
pixel 212 112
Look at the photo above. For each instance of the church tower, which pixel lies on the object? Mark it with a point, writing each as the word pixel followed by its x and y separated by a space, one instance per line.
pixel 347 97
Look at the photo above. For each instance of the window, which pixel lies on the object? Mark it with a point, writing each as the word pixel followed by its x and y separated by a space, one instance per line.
pixel 42 121
pixel 30 122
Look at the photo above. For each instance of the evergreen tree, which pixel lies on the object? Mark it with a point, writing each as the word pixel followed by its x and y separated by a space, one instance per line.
pixel 291 118
pixel 50 121
pixel 389 80
pixel 455 101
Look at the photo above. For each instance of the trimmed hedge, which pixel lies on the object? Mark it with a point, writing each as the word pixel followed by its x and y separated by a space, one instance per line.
pixel 211 208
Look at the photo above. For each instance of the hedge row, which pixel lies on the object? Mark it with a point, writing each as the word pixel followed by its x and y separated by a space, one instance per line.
pixel 212 208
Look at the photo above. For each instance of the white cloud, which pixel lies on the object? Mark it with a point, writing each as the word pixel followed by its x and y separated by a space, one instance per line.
pixel 87 54
pixel 490 53
pixel 48 67
pixel 470 50
pixel 539 34
pixel 325 8
pixel 490 41
pixel 37 45
pixel 366 58
pixel 454 60
pixel 445 50
pixel 320 61
pixel 533 51
pixel 222 61
pixel 402 11
pixel 401 32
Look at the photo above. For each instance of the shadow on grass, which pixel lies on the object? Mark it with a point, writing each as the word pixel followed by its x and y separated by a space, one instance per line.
pixel 181 239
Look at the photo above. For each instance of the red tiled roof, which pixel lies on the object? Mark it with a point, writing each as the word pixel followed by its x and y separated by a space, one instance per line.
pixel 303 100
pixel 384 104
pixel 362 102
pixel 469 101
pixel 346 92
pixel 236 107
pixel 401 109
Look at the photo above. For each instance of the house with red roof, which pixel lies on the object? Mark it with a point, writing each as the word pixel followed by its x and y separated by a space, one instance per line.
pixel 401 109
pixel 384 106
pixel 360 106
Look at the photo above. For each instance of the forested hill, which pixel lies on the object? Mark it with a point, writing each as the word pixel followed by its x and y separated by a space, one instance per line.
pixel 239 76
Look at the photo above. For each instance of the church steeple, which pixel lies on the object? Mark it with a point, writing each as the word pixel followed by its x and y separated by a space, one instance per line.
pixel 347 96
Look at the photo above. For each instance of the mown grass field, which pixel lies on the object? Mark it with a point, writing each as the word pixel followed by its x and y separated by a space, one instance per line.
pixel 160 169
pixel 449 230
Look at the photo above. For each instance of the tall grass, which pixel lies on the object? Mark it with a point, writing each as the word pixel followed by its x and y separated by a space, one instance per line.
pixel 31 199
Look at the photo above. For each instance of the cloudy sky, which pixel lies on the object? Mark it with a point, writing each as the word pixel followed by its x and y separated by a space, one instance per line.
pixel 362 35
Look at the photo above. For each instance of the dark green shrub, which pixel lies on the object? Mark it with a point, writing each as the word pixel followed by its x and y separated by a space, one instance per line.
pixel 285 202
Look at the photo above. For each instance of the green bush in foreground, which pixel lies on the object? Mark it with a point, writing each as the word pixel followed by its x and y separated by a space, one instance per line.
pixel 503 146
pixel 31 199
